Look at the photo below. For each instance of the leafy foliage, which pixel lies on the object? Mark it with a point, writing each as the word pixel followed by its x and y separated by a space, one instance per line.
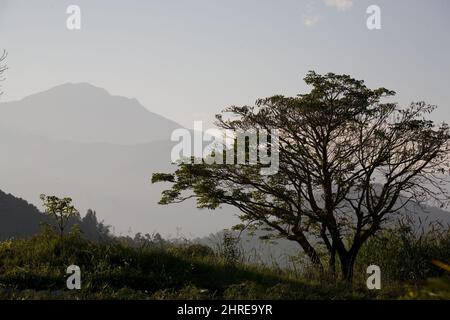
pixel 348 162
pixel 405 255
pixel 61 210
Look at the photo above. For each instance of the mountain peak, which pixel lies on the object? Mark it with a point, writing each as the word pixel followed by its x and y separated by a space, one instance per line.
pixel 84 113
pixel 78 85
pixel 71 88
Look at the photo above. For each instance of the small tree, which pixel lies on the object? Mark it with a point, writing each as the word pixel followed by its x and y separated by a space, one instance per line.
pixel 61 210
pixel 348 163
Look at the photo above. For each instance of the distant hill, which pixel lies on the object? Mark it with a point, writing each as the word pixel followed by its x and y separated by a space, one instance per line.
pixel 77 140
pixel 17 217
pixel 112 179
pixel 20 219
pixel 50 144
pixel 86 114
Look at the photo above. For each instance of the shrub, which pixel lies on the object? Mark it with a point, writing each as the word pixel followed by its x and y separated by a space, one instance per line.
pixel 404 255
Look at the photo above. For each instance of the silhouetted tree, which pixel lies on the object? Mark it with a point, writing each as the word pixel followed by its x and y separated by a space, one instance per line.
pixel 93 229
pixel 348 162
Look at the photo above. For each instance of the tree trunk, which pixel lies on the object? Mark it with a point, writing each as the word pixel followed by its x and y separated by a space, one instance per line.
pixel 332 263
pixel 331 251
pixel 347 265
pixel 347 261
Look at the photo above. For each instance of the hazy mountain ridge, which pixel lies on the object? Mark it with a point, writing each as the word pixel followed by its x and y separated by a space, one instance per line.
pixel 19 219
pixel 98 172
pixel 102 171
pixel 85 114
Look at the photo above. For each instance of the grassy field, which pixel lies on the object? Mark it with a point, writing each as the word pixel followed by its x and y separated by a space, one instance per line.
pixel 35 268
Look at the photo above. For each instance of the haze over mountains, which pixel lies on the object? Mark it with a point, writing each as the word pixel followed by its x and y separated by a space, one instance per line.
pixel 85 114
pixel 77 140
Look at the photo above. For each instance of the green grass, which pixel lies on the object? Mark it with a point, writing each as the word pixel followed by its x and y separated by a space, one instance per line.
pixel 35 269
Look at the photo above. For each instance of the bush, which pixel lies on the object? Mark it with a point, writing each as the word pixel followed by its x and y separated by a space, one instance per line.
pixel 405 256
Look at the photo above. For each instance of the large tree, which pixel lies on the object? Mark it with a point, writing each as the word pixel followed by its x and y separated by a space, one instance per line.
pixel 349 160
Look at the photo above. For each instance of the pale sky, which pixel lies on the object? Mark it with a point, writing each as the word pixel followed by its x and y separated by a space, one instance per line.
pixel 187 60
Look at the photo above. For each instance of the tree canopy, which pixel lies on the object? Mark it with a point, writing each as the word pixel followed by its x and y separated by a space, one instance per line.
pixel 349 160
pixel 61 210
